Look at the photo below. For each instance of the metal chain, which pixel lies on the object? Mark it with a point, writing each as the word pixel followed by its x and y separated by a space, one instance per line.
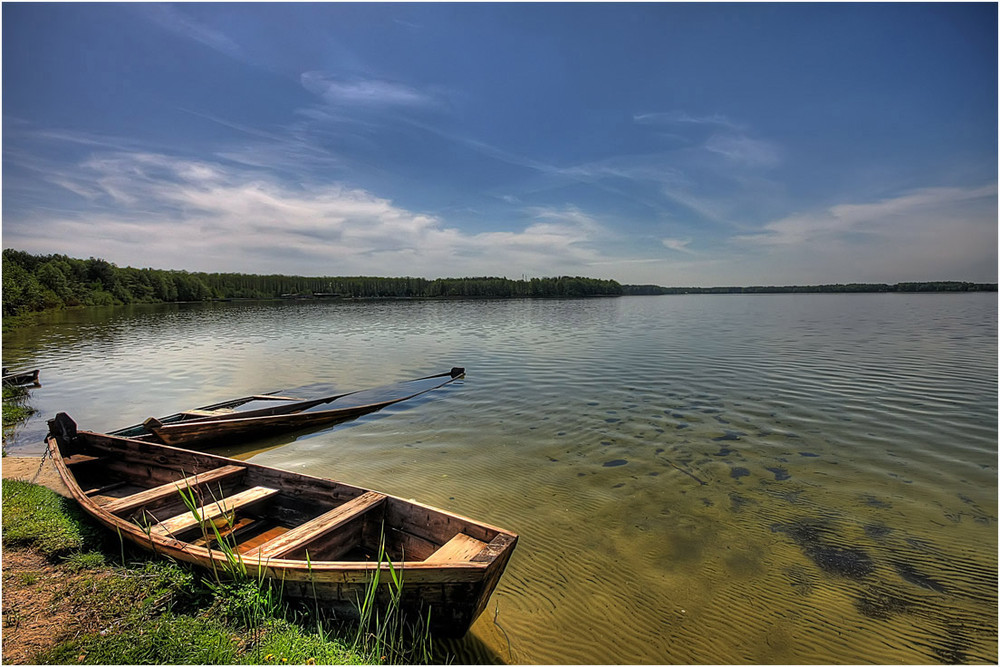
pixel 40 464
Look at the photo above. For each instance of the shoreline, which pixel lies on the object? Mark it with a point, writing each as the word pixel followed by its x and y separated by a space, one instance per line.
pixel 24 468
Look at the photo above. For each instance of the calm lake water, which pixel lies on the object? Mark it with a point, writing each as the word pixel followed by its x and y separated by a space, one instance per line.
pixel 695 479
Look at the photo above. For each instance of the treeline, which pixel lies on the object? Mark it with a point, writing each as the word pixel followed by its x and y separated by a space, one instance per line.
pixel 39 282
pixel 34 283
pixel 938 286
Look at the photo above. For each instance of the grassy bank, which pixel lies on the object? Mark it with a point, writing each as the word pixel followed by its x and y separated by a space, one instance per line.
pixel 73 594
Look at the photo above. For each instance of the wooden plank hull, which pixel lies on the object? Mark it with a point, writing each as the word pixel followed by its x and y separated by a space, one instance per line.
pixel 215 423
pixel 189 433
pixel 327 534
pixel 20 378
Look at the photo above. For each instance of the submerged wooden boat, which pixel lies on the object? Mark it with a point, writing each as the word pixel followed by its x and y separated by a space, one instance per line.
pixel 316 539
pixel 267 414
pixel 19 378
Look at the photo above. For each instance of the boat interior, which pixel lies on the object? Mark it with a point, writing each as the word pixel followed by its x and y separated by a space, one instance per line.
pixel 266 513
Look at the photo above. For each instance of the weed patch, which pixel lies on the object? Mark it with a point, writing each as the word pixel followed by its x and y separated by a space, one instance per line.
pixel 15 406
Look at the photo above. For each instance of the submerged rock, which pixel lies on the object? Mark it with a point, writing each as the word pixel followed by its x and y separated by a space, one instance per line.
pixel 877 531
pixel 880 604
pixel 847 562
pixel 813 538
pixel 872 501
pixel 914 576
pixel 780 474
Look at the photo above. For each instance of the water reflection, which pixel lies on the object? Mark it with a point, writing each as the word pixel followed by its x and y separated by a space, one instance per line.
pixel 772 479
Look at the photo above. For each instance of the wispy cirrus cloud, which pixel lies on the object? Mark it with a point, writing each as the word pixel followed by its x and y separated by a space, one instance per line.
pixel 173 19
pixel 681 117
pixel 744 150
pixel 366 91
pixel 678 245
pixel 897 217
pixel 940 232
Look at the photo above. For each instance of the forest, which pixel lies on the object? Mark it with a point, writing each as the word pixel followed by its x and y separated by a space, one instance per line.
pixel 34 283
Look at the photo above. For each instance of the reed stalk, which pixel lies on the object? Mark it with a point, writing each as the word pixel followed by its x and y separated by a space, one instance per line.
pixel 384 631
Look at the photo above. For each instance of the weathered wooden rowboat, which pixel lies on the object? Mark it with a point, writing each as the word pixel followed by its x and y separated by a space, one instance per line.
pixel 316 539
pixel 18 378
pixel 267 414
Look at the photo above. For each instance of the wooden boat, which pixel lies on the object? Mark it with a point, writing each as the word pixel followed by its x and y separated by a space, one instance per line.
pixel 19 378
pixel 267 414
pixel 315 539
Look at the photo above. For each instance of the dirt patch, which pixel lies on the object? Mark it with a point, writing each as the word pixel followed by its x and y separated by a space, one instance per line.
pixel 26 469
pixel 37 613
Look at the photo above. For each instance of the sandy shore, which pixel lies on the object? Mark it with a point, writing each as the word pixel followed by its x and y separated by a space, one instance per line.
pixel 25 468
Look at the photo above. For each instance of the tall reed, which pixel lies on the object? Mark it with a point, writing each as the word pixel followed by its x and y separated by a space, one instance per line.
pixel 385 632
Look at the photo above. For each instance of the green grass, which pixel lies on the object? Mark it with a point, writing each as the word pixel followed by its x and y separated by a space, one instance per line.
pixel 40 518
pixel 155 611
pixel 171 639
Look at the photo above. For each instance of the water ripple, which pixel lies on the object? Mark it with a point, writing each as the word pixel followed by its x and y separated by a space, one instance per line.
pixel 773 479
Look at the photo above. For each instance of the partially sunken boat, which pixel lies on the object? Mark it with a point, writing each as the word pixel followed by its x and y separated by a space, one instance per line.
pixel 315 539
pixel 19 378
pixel 268 414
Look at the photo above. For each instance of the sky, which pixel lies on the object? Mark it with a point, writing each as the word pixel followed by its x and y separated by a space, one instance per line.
pixel 676 144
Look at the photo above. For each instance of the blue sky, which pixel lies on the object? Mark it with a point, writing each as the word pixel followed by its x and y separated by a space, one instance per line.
pixel 675 144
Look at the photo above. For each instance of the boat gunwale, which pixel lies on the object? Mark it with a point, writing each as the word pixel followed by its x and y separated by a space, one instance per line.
pixel 176 429
pixel 20 378
pixel 280 566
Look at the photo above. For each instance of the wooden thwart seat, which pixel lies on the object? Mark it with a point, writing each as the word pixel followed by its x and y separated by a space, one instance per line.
pixel 80 459
pixel 207 413
pixel 212 511
pixel 137 500
pixel 460 548
pixel 301 536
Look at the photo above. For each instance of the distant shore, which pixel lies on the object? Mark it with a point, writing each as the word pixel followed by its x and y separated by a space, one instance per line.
pixel 38 283
pixel 950 286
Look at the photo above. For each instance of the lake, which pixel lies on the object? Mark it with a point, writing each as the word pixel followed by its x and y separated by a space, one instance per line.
pixel 695 479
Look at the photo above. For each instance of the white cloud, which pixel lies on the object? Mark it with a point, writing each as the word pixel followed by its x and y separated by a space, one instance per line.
pixel 364 92
pixel 145 208
pixel 946 233
pixel 679 245
pixel 681 117
pixel 896 218
pixel 167 212
pixel 744 150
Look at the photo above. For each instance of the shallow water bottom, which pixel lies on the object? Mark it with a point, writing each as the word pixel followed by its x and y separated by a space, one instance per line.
pixel 720 480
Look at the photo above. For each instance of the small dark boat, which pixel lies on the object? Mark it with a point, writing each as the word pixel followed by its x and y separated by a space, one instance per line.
pixel 267 414
pixel 316 539
pixel 19 378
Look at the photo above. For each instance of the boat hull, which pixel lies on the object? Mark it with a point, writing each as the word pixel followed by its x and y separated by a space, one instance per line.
pixel 192 433
pixel 454 587
pixel 18 379
pixel 217 424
